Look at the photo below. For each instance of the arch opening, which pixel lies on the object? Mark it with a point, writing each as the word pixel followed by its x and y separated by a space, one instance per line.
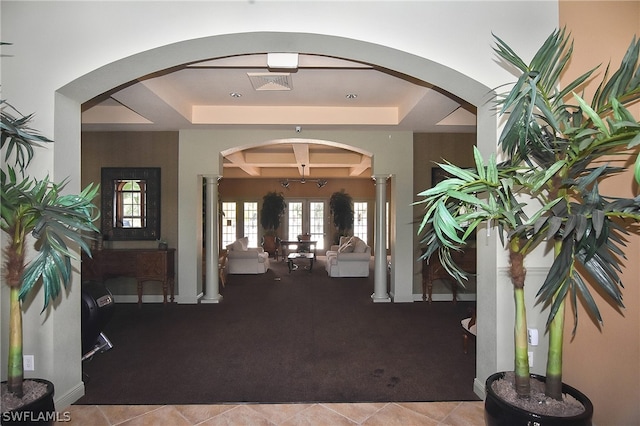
pixel 70 98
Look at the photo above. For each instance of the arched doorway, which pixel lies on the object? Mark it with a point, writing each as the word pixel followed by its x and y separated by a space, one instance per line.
pixel 70 97
pixel 285 165
pixel 304 170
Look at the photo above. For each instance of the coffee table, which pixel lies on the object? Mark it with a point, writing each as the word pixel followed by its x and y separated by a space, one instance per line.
pixel 295 256
pixel 301 246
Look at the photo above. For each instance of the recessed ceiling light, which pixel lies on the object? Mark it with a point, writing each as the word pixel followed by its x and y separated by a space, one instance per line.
pixel 351 96
pixel 235 95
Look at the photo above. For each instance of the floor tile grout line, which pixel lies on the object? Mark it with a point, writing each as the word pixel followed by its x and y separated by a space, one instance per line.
pixel 354 420
pixel 278 422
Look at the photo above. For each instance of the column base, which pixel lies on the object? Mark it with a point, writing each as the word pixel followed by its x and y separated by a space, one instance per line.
pixel 380 299
pixel 215 299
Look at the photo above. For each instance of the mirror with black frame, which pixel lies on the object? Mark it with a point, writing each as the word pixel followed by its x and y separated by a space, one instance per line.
pixel 130 203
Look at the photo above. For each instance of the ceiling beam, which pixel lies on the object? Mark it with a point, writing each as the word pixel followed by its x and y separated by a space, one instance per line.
pixel 301 152
pixel 238 159
pixel 357 170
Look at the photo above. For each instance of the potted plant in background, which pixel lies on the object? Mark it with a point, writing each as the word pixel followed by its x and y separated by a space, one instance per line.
pixel 556 145
pixel 273 207
pixel 35 214
pixel 341 209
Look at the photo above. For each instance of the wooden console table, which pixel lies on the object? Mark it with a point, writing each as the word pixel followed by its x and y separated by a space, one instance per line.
pixel 434 270
pixel 141 264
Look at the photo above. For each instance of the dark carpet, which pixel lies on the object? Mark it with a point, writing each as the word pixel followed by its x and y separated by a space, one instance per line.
pixel 284 337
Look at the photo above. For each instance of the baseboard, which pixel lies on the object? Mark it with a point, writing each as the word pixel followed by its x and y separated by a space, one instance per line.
pixel 132 298
pixel 478 388
pixel 156 298
pixel 64 401
pixel 443 297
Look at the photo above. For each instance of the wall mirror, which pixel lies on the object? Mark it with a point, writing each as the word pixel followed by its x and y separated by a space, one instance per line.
pixel 131 203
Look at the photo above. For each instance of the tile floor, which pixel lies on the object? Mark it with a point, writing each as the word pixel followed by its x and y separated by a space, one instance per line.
pixel 386 414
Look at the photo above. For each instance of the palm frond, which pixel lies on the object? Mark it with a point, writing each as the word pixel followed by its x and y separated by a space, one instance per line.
pixel 55 220
pixel 18 137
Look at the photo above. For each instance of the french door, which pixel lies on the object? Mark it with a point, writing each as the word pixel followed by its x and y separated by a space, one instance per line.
pixel 307 217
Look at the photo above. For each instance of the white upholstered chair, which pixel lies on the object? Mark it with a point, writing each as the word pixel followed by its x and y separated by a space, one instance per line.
pixel 246 260
pixel 350 258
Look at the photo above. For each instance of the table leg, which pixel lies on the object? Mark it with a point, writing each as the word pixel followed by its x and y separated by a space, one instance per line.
pixel 139 293
pixel 427 285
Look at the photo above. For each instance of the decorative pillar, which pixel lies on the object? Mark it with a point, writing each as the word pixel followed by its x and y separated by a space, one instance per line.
pixel 212 284
pixel 380 259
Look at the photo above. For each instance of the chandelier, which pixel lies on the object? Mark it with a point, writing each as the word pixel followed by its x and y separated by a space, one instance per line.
pixel 319 182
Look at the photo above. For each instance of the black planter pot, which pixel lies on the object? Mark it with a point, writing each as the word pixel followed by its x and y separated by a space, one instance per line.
pixel 42 411
pixel 498 412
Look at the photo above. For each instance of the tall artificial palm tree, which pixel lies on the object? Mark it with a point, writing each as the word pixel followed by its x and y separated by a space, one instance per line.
pixel 556 145
pixel 36 214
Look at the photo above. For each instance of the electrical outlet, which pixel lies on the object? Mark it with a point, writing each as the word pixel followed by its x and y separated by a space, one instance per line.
pixel 28 363
pixel 530 359
pixel 533 336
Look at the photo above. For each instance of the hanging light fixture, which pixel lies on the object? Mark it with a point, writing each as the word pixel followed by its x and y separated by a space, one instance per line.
pixel 319 182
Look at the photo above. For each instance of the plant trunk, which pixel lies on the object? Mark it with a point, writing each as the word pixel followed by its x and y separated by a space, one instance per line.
pixel 518 273
pixel 553 384
pixel 15 372
pixel 14 268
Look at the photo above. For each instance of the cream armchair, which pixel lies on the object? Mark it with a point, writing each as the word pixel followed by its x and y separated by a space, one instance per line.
pixel 246 260
pixel 350 258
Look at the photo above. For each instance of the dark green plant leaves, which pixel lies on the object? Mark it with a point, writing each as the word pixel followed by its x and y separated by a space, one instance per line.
pixel 552 137
pixel 56 220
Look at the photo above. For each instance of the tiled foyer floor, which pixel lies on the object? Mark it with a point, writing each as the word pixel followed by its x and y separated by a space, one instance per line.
pixel 384 414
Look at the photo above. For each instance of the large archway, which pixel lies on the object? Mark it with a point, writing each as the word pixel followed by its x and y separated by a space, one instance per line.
pixel 70 97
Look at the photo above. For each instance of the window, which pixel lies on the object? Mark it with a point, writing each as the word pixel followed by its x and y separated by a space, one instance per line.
pixel 360 220
pixel 294 222
pixel 250 224
pixel 316 222
pixel 131 204
pixel 306 217
pixel 387 225
pixel 228 223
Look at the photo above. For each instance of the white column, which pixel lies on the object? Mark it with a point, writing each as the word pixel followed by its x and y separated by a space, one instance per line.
pixel 380 258
pixel 212 284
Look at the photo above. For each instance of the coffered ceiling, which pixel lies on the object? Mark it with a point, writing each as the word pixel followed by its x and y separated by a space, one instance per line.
pixel 249 91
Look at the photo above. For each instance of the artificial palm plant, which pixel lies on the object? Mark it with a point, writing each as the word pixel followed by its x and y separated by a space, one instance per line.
pixel 36 213
pixel 555 146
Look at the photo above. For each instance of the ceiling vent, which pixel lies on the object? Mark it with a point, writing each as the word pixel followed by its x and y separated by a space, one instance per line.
pixel 270 80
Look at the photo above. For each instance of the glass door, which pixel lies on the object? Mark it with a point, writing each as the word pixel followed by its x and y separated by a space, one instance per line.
pixel 307 217
pixel 317 220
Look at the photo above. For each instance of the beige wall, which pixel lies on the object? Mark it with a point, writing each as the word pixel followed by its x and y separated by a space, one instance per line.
pixel 137 149
pixel 605 363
